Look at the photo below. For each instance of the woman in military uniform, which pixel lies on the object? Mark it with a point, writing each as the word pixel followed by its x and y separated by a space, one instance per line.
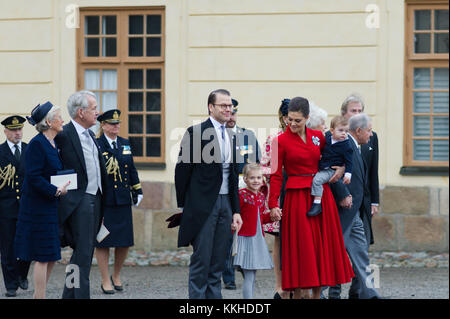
pixel 120 192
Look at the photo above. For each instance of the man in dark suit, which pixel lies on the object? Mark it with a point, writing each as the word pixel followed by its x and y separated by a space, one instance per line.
pixel 351 106
pixel 206 182
pixel 80 210
pixel 349 199
pixel 245 150
pixel 12 164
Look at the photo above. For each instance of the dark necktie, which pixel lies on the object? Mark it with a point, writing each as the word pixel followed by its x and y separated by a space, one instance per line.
pixel 114 145
pixel 17 152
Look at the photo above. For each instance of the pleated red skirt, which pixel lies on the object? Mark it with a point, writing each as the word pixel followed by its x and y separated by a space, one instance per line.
pixel 313 252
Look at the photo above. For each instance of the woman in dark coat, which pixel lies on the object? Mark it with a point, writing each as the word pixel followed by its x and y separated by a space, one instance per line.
pixel 37 225
pixel 122 184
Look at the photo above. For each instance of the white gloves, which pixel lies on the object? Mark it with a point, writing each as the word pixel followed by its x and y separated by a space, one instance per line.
pixel 140 197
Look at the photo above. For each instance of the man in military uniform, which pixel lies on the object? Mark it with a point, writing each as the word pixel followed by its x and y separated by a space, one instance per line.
pixel 12 158
pixel 246 150
pixel 245 144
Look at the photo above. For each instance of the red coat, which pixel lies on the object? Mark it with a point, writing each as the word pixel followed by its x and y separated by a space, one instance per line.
pixel 250 202
pixel 313 251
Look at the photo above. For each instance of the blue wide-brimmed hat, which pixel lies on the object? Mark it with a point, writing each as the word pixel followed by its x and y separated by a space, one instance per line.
pixel 39 112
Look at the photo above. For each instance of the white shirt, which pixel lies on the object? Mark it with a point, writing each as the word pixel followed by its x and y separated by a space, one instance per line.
pixel 89 149
pixel 12 147
pixel 110 141
pixel 79 129
pixel 217 126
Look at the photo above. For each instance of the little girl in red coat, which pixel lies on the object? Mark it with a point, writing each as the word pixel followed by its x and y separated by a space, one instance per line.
pixel 252 251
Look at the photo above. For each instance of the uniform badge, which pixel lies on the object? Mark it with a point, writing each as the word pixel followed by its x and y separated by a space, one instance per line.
pixel 316 140
pixel 126 150
pixel 246 149
pixel 15 121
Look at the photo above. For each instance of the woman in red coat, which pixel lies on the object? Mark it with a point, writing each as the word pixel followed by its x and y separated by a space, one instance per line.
pixel 313 251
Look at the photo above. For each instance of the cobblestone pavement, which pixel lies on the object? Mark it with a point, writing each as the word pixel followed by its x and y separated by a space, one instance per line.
pixel 164 275
pixel 181 258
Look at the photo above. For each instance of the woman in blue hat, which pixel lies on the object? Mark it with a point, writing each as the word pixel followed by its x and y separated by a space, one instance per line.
pixel 121 191
pixel 37 225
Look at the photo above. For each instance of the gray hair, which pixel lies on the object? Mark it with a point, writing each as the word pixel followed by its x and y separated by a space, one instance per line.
pixel 316 116
pixel 78 100
pixel 360 120
pixel 42 125
pixel 354 97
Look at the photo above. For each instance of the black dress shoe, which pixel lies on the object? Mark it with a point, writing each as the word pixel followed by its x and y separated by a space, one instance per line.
pixel 23 284
pixel 277 296
pixel 107 292
pixel 315 210
pixel 11 293
pixel 353 296
pixel 118 288
pixel 230 286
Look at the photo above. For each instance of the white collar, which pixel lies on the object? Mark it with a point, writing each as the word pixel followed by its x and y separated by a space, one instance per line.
pixel 11 146
pixel 354 140
pixel 110 141
pixel 80 129
pixel 216 124
pixel 333 141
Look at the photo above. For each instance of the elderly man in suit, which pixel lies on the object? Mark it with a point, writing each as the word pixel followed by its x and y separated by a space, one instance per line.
pixel 12 158
pixel 206 182
pixel 351 106
pixel 80 210
pixel 350 202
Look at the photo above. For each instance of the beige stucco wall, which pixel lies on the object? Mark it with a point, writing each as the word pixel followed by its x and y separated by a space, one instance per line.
pixel 261 50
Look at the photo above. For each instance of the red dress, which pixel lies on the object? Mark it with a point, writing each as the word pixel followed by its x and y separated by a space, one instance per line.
pixel 312 248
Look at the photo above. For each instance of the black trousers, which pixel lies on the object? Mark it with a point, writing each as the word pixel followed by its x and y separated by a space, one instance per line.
pixel 13 270
pixel 84 223
pixel 210 249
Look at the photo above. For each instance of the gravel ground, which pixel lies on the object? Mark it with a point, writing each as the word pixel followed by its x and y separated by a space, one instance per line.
pixel 170 282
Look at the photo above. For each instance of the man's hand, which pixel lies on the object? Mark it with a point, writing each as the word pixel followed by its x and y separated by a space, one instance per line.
pixel 346 180
pixel 275 214
pixel 374 210
pixel 346 202
pixel 237 222
pixel 339 171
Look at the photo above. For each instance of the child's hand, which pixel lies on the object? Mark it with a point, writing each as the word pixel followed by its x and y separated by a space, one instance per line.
pixel 275 214
pixel 346 180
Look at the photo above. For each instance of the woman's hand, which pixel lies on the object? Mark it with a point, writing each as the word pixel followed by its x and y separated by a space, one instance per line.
pixel 339 172
pixel 275 214
pixel 62 190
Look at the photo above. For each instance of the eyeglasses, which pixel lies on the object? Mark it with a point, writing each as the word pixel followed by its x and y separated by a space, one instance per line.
pixel 225 106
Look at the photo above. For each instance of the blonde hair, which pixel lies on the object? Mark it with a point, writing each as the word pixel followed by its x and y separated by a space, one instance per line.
pixel 338 120
pixel 250 167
